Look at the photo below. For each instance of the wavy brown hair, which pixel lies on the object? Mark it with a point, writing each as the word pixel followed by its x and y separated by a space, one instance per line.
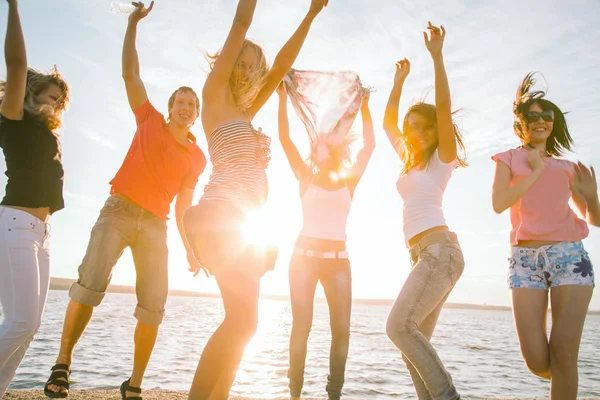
pixel 37 82
pixel 245 88
pixel 560 139
pixel 427 111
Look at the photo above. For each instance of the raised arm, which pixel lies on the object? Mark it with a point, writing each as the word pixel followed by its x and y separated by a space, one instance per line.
pixel 16 65
pixel 364 154
pixel 505 196
pixel 446 136
pixel 390 117
pixel 585 193
pixel 136 91
pixel 300 169
pixel 286 56
pixel 217 81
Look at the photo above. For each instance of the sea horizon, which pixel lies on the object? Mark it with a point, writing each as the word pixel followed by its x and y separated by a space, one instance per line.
pixel 63 284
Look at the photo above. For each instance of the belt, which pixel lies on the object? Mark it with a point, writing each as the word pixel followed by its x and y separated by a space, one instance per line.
pixel 432 238
pixel 321 254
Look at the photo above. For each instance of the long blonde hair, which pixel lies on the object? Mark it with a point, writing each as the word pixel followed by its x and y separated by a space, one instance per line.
pixel 36 83
pixel 405 148
pixel 245 87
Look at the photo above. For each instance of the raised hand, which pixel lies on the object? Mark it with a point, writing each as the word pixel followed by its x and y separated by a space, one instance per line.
pixel 535 160
pixel 585 182
pixel 140 11
pixel 435 41
pixel 316 6
pixel 402 71
pixel 366 96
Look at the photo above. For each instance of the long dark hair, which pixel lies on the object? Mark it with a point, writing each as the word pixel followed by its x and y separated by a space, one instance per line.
pixel 560 139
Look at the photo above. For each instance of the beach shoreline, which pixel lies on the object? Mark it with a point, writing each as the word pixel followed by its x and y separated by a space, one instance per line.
pixel 64 284
pixel 158 395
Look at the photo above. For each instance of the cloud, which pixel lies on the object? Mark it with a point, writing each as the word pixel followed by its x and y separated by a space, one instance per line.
pixel 97 137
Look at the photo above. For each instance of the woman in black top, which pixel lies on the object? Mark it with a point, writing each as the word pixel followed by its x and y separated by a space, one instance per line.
pixel 31 107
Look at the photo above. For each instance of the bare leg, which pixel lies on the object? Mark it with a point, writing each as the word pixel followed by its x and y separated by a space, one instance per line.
pixel 530 309
pixel 569 308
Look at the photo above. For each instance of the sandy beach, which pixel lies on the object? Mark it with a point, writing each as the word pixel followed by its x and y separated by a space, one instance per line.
pixel 147 395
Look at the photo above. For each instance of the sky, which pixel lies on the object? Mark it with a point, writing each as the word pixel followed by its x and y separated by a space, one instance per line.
pixel 488 50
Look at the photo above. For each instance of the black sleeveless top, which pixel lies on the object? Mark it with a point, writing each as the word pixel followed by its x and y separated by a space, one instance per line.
pixel 33 164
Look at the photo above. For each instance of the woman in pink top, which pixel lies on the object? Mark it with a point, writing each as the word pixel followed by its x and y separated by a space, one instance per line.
pixel 547 253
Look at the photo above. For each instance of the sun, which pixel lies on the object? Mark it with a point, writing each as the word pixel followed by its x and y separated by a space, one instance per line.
pixel 260 228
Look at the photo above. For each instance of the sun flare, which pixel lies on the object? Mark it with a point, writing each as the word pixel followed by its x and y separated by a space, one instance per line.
pixel 261 228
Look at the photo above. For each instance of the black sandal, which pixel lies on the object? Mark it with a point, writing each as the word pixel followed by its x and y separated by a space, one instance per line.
pixel 125 387
pixel 56 378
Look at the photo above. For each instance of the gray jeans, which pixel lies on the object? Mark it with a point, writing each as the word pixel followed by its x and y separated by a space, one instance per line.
pixel 414 315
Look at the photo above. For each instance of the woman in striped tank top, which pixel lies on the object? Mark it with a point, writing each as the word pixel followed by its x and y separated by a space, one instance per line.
pixel 237 87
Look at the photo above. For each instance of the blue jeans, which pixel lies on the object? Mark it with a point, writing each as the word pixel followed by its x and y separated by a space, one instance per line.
pixel 335 276
pixel 414 315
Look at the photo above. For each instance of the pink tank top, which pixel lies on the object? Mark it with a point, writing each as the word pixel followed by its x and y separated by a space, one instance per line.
pixel 543 213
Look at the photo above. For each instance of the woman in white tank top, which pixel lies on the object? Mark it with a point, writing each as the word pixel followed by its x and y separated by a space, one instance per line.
pixel 320 251
pixel 428 148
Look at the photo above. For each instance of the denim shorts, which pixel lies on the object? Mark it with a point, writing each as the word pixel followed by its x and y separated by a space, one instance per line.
pixel 545 267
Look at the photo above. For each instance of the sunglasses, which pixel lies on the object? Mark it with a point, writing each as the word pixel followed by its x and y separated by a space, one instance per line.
pixel 534 116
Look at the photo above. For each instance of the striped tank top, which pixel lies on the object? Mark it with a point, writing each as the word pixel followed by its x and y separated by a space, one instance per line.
pixel 239 155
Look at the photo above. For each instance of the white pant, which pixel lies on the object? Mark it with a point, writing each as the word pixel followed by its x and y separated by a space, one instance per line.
pixel 24 280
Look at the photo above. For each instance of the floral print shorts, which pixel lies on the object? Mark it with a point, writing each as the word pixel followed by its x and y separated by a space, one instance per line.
pixel 564 263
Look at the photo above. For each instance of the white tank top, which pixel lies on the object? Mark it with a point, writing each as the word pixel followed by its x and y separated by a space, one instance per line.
pixel 422 192
pixel 325 213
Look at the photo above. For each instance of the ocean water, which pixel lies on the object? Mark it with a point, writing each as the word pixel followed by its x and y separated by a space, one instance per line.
pixel 479 348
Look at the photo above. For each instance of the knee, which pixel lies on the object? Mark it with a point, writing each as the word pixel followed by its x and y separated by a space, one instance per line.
pixel 340 332
pixel 242 326
pixel 538 364
pixel 563 357
pixel 301 329
pixel 397 328
pixel 22 331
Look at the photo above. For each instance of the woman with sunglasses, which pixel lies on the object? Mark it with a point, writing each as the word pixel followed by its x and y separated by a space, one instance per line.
pixel 547 254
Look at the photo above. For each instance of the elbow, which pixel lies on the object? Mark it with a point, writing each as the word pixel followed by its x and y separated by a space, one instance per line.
pixel 128 75
pixel 498 208
pixel 389 125
pixel 277 68
pixel 16 66
pixel 370 145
